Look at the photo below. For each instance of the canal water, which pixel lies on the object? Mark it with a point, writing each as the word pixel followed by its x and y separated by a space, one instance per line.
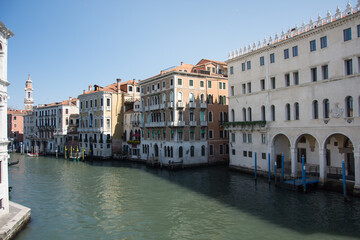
pixel 113 200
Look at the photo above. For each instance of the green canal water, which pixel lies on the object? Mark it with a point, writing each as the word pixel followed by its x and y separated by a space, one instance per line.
pixel 113 200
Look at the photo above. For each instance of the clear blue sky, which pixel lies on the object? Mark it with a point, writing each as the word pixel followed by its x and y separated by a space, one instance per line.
pixel 66 45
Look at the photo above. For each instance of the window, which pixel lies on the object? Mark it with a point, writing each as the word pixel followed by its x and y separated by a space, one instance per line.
pixel 179 81
pixel 224 85
pixel 348 67
pixel 286 53
pixel 201 84
pixel 202 150
pixel 313 74
pixel 295 51
pixel 163 84
pixel 180 152
pixel 171 82
pixel 287 112
pixel 147 89
pixel 312 45
pixel 262 84
pixel 296 78
pixel 272 57
pixel 179 96
pixel 245 153
pixel 191 83
pixel 249 138
pixel 108 102
pixel 323 42
pixel 349 108
pixel 221 149
pixel 220 85
pixel 244 138
pixel 347 34
pixel 213 70
pixel 326 108
pixel 273 82
pixel 209 84
pixel 315 107
pixel 232 93
pixel 243 66
pixel 210 116
pixel 192 151
pixel 248 63
pixel 233 137
pixel 211 134
pixel 325 72
pixel 130 88
pixel 243 88
pixel 262 61
pixel 358 30
pixel 250 154
pixel 95 103
pixel 287 80
pixel 211 150
pixel 272 113
pixel 232 115
pixel 263 139
pixel 296 111
pixel 249 87
pixel 244 114
pixel 249 114
pixel 232 70
pixel 263 116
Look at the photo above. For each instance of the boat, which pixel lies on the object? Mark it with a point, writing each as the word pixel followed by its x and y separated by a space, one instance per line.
pixel 13 163
pixel 33 154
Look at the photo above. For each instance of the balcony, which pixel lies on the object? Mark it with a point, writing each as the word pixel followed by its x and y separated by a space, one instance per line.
pixel 192 105
pixel 250 125
pixel 203 105
pixel 162 106
pixel 154 107
pixel 155 124
pixel 180 105
pixel 193 123
pixel 176 123
pixel 170 105
pixel 203 123
pixel 147 108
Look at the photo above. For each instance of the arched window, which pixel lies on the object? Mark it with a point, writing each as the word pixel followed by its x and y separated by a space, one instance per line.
pixel 263 117
pixel 326 108
pixel 165 152
pixel 349 106
pixel 315 108
pixel 244 114
pixel 232 115
pixel 172 152
pixel 203 150
pixel 180 152
pixel 179 96
pixel 296 111
pixel 164 98
pixel 171 96
pixel 191 97
pixel 210 116
pixel 287 112
pixel 192 151
pixel 202 99
pixel 249 114
pixel 1 47
pixel 273 113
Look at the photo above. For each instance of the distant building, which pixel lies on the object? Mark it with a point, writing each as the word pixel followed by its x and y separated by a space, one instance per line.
pixel 183 109
pixel 51 125
pixel 28 101
pixel 132 131
pixel 5 34
pixel 72 137
pixel 297 95
pixel 29 132
pixel 15 129
pixel 102 115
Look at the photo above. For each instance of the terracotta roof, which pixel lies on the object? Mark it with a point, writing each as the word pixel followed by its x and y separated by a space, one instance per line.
pixel 66 102
pixel 204 61
pixel 16 112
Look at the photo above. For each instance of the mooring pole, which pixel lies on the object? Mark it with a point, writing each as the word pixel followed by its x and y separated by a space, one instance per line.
pixel 344 178
pixel 275 173
pixel 282 167
pixel 255 165
pixel 303 172
pixel 269 168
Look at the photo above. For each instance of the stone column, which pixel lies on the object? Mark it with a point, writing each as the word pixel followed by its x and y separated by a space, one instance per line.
pixel 293 161
pixel 322 163
pixel 357 172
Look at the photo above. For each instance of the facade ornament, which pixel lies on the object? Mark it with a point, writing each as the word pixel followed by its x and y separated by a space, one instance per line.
pixel 245 49
pixel 229 56
pixel 236 52
pixel 338 13
pixel 259 44
pixel 270 40
pixel 240 51
pixel 349 8
pixel 276 37
pixel 254 46
pixel 282 35
pixel 265 41
pixel 249 48
pixel 328 13
pixel 337 112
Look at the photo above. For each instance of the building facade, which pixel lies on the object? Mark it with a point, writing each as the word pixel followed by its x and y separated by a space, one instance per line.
pixel 181 112
pixel 101 117
pixel 5 34
pixel 132 131
pixel 29 132
pixel 16 129
pixel 51 125
pixel 297 95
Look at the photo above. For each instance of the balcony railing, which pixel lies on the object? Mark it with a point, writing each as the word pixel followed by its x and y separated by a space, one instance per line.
pixel 193 123
pixel 203 105
pixel 154 107
pixel 192 105
pixel 180 105
pixel 171 105
pixel 203 123
pixel 176 123
pixel 155 124
pixel 248 124
pixel 162 106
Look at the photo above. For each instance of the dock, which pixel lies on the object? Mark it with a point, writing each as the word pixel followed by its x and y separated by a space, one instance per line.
pixel 13 222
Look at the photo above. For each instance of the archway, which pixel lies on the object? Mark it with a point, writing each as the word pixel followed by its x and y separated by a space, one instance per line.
pixel 281 145
pixel 306 145
pixel 339 147
pixel 156 151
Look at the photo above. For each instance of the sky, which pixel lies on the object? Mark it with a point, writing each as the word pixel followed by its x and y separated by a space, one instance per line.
pixel 67 45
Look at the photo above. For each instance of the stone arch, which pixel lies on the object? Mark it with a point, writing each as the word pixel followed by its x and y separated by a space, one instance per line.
pixel 338 147
pixel 307 145
pixel 281 144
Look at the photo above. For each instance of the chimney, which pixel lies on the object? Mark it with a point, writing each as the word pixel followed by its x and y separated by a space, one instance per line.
pixel 134 80
pixel 84 92
pixel 89 87
pixel 70 98
pixel 118 84
pixel 162 72
pixel 181 63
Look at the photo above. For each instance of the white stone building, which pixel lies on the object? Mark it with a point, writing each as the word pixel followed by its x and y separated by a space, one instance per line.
pixel 132 131
pixel 5 34
pixel 298 94
pixel 51 125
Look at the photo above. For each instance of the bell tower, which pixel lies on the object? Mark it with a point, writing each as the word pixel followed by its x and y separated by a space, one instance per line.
pixel 29 101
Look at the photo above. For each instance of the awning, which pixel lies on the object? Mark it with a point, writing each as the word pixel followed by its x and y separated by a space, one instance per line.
pixel 136 134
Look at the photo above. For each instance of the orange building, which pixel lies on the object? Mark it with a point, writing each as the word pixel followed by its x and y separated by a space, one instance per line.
pixel 15 128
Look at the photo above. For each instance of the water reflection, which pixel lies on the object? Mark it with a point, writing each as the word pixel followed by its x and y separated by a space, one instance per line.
pixel 111 200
